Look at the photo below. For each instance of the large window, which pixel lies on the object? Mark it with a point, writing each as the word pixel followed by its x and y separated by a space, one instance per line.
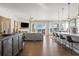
pixel 77 21
pixel 53 27
pixel 39 27
pixel 61 27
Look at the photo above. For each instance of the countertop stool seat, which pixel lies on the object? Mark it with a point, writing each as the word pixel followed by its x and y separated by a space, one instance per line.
pixel 69 39
pixel 57 38
pixel 54 36
pixel 63 42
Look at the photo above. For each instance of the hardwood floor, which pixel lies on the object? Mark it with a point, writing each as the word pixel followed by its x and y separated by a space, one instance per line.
pixel 47 47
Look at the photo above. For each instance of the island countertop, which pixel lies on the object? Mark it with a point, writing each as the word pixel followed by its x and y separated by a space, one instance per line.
pixel 3 37
pixel 71 34
pixel 10 44
pixel 74 36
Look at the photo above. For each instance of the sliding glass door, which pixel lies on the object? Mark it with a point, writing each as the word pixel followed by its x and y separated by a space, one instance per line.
pixel 40 27
pixel 46 28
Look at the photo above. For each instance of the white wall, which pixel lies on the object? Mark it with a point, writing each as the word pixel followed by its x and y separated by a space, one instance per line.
pixel 77 21
pixel 9 14
pixel 22 12
pixel 40 11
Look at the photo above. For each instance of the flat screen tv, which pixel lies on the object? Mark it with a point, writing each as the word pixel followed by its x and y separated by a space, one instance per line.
pixel 24 25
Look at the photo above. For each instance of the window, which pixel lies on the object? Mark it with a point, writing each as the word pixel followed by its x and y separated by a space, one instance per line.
pixel 39 27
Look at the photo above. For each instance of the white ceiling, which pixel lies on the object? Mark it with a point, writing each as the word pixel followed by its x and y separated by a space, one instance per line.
pixel 40 11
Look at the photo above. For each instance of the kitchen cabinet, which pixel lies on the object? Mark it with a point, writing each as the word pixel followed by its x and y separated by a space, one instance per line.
pixel 20 42
pixel 7 46
pixel 15 45
pixel 11 45
pixel 0 48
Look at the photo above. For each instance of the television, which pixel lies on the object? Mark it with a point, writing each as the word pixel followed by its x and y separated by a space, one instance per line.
pixel 24 25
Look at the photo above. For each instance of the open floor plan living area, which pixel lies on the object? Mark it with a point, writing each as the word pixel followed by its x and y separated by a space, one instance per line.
pixel 39 29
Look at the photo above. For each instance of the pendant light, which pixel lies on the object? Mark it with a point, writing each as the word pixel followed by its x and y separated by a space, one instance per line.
pixel 58 13
pixel 68 11
pixel 78 11
pixel 62 13
pixel 69 17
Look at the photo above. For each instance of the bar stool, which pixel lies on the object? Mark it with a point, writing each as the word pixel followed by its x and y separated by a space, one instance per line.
pixel 57 37
pixel 53 35
pixel 69 39
pixel 63 40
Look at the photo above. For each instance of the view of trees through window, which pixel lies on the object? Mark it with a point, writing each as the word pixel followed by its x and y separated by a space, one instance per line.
pixel 40 27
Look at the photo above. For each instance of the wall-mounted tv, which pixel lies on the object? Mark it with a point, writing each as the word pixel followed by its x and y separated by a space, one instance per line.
pixel 24 25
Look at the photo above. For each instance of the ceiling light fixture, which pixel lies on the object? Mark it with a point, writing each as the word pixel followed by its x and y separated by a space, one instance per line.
pixel 69 17
pixel 78 11
pixel 58 14
pixel 68 11
pixel 62 13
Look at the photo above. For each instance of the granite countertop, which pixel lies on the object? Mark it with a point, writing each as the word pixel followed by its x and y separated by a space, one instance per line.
pixel 5 36
pixel 71 34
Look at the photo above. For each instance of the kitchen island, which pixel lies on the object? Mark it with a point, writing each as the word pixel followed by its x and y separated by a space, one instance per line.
pixel 74 36
pixel 10 45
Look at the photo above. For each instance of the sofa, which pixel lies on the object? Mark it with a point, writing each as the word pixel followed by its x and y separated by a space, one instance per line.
pixel 33 36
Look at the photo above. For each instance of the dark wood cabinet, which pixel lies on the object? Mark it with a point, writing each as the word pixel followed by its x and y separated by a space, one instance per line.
pixel 11 45
pixel 0 48
pixel 15 45
pixel 7 47
pixel 20 42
